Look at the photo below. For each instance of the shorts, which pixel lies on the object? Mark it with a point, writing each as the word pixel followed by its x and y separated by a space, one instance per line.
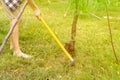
pixel 11 15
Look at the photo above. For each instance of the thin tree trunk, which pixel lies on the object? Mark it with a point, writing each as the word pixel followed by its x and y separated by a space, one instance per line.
pixel 110 32
pixel 71 45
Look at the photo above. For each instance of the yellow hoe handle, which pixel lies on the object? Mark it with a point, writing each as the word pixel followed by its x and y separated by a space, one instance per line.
pixel 56 39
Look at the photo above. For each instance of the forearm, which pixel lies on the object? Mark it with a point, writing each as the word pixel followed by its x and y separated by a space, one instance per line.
pixel 32 4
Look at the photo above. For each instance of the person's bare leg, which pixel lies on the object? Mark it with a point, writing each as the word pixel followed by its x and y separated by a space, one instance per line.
pixel 14 44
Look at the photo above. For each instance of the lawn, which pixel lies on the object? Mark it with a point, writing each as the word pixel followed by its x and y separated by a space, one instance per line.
pixel 94 56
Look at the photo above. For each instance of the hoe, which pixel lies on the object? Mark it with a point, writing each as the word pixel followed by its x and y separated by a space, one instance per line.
pixel 46 26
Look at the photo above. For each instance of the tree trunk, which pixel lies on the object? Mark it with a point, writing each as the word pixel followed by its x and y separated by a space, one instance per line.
pixel 71 45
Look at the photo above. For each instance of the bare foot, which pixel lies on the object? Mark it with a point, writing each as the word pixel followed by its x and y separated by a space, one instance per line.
pixel 23 55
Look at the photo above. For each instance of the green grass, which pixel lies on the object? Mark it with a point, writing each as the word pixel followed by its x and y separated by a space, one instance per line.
pixel 94 60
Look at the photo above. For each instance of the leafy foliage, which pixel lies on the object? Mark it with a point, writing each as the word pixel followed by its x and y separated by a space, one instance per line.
pixel 95 5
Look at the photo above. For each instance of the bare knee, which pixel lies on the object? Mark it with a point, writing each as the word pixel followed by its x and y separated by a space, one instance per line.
pixel 16 28
pixel 15 21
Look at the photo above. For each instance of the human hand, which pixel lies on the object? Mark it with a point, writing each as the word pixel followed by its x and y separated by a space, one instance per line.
pixel 37 13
